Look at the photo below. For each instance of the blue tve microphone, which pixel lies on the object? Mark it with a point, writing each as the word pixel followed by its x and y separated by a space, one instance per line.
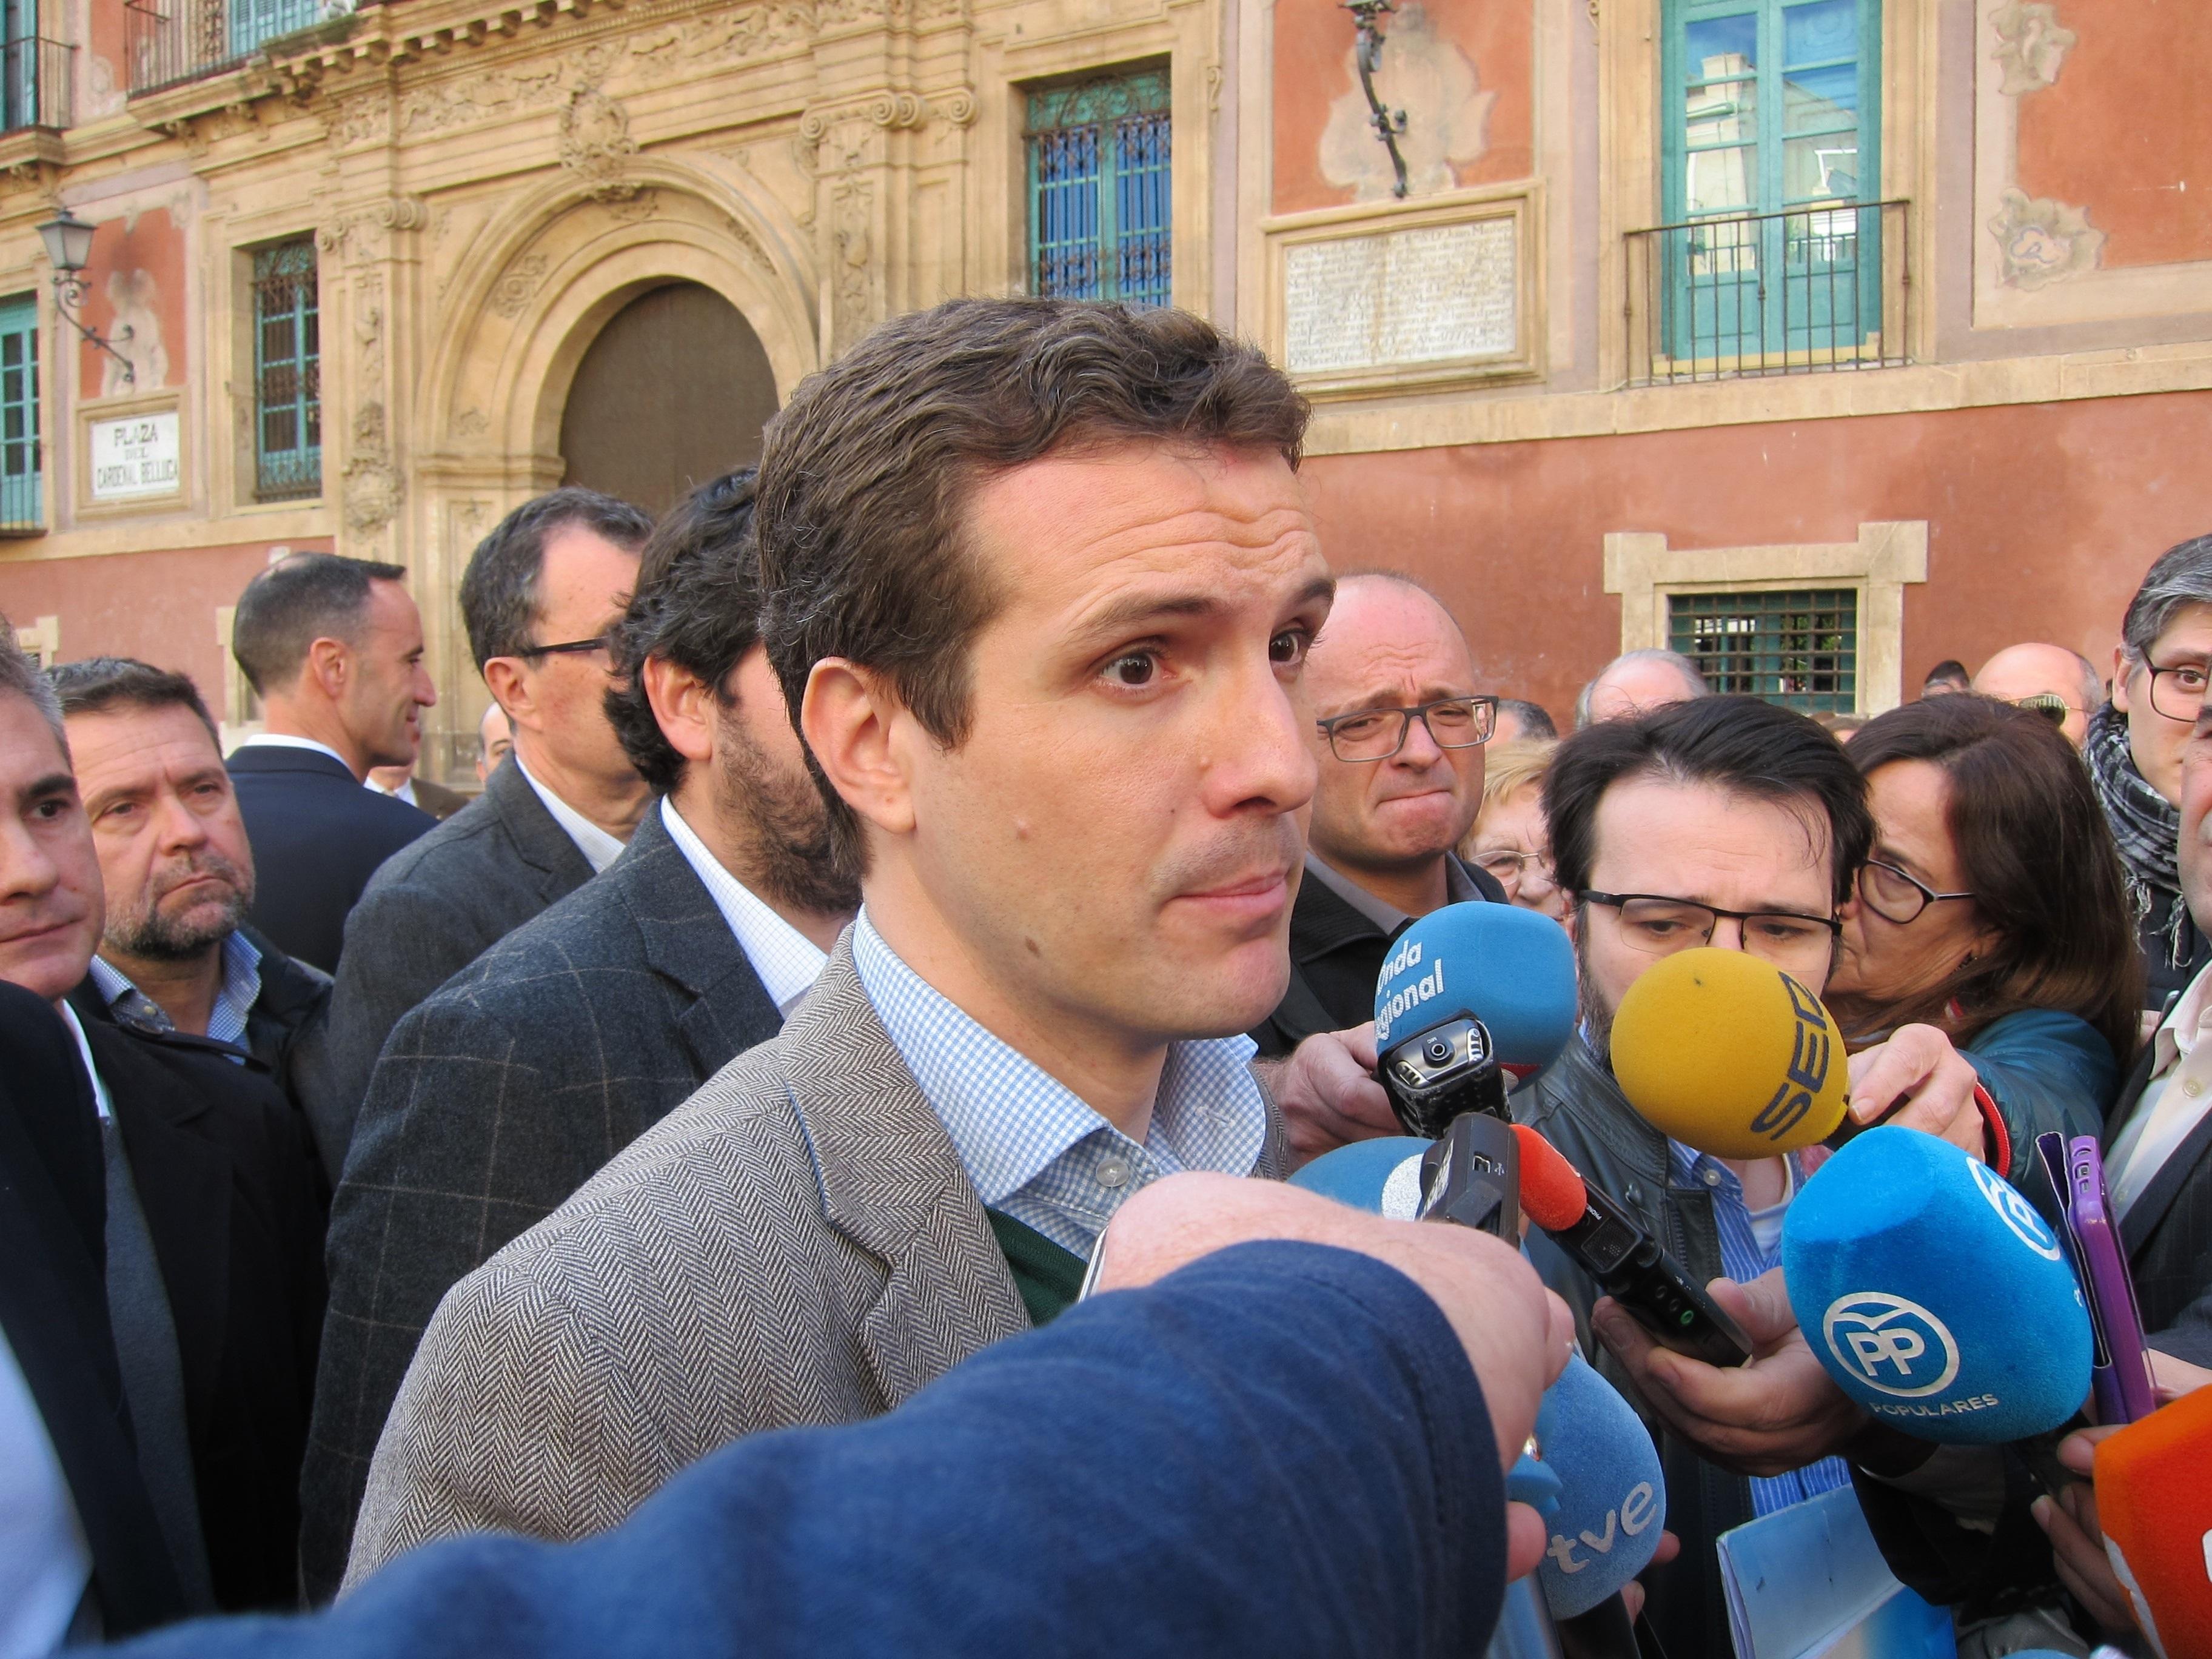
pixel 1471 999
pixel 1613 1497
pixel 1382 1176
pixel 1934 1294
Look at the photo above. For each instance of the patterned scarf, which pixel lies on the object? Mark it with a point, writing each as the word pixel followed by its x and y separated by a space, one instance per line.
pixel 2146 824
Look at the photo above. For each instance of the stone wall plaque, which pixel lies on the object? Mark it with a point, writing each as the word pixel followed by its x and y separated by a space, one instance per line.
pixel 136 456
pixel 1438 294
pixel 1374 299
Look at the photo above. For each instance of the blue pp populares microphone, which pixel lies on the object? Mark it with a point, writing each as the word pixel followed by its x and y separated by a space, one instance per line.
pixel 1934 1294
pixel 1471 999
pixel 1613 1497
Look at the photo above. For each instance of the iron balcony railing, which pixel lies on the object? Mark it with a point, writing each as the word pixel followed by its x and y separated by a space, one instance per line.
pixel 1807 291
pixel 170 41
pixel 35 76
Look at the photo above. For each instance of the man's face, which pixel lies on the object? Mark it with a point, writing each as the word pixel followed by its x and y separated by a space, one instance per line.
pixel 2020 672
pixel 1629 689
pixel 1388 646
pixel 494 741
pixel 582 586
pixel 2157 740
pixel 764 792
pixel 173 857
pixel 389 687
pixel 1701 842
pixel 1113 848
pixel 50 896
pixel 2195 848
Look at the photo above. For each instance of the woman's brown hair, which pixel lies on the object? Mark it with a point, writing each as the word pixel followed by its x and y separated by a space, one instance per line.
pixel 2040 863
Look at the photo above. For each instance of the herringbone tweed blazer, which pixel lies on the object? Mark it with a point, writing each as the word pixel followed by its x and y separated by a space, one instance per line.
pixel 795 1244
pixel 494 1101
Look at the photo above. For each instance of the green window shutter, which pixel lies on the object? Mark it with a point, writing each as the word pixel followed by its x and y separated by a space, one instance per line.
pixel 1770 146
pixel 1100 204
pixel 287 378
pixel 1799 648
pixel 22 462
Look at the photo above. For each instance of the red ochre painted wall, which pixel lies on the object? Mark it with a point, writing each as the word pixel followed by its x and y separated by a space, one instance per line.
pixel 2041 520
pixel 157 606
pixel 2121 134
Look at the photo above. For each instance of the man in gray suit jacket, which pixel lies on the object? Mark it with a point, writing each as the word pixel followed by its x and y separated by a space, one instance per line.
pixel 1040 581
pixel 539 595
pixel 502 1093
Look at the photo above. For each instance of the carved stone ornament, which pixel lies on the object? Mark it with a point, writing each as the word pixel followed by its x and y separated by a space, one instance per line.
pixel 513 292
pixel 2031 45
pixel 2041 241
pixel 372 486
pixel 472 424
pixel 854 215
pixel 596 144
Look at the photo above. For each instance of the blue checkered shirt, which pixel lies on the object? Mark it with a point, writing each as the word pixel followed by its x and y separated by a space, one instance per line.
pixel 1742 1259
pixel 234 998
pixel 1032 1148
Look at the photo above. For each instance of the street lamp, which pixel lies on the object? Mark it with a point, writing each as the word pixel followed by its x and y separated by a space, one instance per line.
pixel 1389 124
pixel 69 247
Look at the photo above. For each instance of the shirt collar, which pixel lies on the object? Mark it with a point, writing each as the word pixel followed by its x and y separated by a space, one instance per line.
pixel 2178 1033
pixel 239 989
pixel 1459 889
pixel 598 848
pixel 100 1096
pixel 787 962
pixel 286 740
pixel 1009 1119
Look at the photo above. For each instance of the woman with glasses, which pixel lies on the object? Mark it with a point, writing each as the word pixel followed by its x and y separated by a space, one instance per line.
pixel 1993 909
pixel 1509 841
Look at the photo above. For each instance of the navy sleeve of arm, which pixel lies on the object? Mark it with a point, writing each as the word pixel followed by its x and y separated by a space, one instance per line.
pixel 1280 1450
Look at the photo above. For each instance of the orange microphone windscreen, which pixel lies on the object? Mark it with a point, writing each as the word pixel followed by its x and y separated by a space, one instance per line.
pixel 1551 1194
pixel 2154 1504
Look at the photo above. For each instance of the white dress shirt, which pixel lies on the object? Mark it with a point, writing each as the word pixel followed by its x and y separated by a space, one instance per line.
pixel 45 1563
pixel 787 962
pixel 2174 1100
pixel 598 848
pixel 285 740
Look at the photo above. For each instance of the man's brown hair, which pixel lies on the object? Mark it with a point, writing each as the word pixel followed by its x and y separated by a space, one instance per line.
pixel 866 474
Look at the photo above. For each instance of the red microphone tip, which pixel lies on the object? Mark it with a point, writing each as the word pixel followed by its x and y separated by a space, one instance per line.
pixel 1551 1192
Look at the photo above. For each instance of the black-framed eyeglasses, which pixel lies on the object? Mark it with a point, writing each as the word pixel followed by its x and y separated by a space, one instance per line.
pixel 566 648
pixel 2177 692
pixel 1659 926
pixel 1375 734
pixel 1896 894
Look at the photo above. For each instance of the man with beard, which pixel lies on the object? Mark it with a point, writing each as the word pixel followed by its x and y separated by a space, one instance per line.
pixel 503 1092
pixel 174 955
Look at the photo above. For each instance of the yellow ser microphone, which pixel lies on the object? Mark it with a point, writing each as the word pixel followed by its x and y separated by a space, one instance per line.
pixel 1727 1054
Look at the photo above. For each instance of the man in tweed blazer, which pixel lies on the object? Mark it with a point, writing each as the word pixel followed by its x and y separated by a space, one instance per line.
pixel 1056 711
pixel 505 1092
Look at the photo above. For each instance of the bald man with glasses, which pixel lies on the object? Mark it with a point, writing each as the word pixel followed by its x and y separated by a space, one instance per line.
pixel 1399 727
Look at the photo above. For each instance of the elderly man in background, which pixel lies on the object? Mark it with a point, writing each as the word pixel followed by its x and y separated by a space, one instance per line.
pixel 1522 722
pixel 1400 727
pixel 494 741
pixel 1947 678
pixel 1636 683
pixel 2056 681
pixel 179 873
pixel 2137 741
pixel 540 595
pixel 334 646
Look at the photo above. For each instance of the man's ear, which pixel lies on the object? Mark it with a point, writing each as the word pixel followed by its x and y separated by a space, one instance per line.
pixel 508 682
pixel 683 708
pixel 853 723
pixel 2120 677
pixel 330 665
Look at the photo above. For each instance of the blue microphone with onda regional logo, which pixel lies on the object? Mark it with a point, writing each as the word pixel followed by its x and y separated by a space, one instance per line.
pixel 1473 999
pixel 1934 1294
